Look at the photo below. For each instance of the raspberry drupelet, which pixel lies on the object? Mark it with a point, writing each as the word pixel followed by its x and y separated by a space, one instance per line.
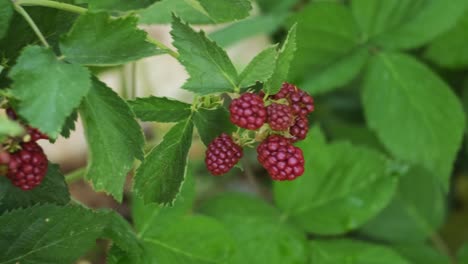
pixel 248 111
pixel 222 154
pixel 280 158
pixel 280 117
pixel 299 129
pixel 300 101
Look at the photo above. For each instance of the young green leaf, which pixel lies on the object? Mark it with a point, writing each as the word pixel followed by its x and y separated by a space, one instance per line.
pixel 415 113
pixel 415 213
pixel 448 50
pixel 9 128
pixel 212 123
pixel 329 52
pixel 348 185
pixel 161 13
pixel 223 10
pixel 160 176
pixel 209 67
pixel 53 189
pixel 190 239
pixel 99 40
pixel 6 12
pixel 259 69
pixel 160 109
pixel 421 254
pixel 285 56
pixel 114 137
pixel 118 5
pixel 49 234
pixel 48 89
pixel 406 24
pixel 352 251
pixel 253 222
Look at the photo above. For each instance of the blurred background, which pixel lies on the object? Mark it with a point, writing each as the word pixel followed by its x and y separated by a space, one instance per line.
pixel 332 64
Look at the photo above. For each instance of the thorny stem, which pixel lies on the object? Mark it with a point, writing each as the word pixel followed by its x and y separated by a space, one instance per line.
pixel 31 23
pixel 53 4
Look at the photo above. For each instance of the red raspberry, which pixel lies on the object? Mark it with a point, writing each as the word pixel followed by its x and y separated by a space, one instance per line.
pixel 280 117
pixel 11 114
pixel 222 154
pixel 280 158
pixel 301 102
pixel 299 129
pixel 27 166
pixel 4 158
pixel 248 111
pixel 35 133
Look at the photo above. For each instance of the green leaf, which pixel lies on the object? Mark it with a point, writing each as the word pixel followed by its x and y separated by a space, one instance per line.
pixel 348 185
pixel 212 123
pixel 6 12
pixel 190 239
pixel 48 234
pixel 330 50
pixel 47 88
pixel 463 254
pixel 352 252
pixel 161 13
pixel 53 189
pixel 285 56
pixel 9 128
pixel 114 137
pixel 160 176
pixel 421 254
pixel 260 232
pixel 416 211
pixel 150 218
pixel 259 69
pixel 209 67
pixel 448 50
pixel 160 109
pixel 118 5
pixel 69 125
pixel 246 28
pixel 405 24
pixel 415 113
pixel 276 6
pixel 93 38
pixel 224 10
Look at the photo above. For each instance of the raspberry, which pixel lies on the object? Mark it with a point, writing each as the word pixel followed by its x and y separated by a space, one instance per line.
pixel 222 154
pixel 299 129
pixel 11 114
pixel 4 158
pixel 35 133
pixel 27 166
pixel 280 158
pixel 248 111
pixel 280 117
pixel 301 102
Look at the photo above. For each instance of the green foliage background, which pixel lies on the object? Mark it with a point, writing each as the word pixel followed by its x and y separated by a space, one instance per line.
pixel 386 158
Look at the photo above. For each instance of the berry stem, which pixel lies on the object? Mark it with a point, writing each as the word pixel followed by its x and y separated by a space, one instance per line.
pixel 75 175
pixel 31 23
pixel 53 4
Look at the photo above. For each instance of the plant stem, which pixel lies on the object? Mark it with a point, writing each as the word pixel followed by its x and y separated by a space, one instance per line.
pixel 76 175
pixel 160 45
pixel 31 23
pixel 442 247
pixel 53 4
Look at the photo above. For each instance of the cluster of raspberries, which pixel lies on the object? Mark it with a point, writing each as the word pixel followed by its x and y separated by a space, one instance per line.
pixel 27 165
pixel 286 115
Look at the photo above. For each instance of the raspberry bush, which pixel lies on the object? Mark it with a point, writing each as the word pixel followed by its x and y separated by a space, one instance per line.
pixel 342 143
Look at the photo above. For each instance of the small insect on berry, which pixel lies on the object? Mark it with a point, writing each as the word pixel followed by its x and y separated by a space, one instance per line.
pixel 222 155
pixel 248 111
pixel 280 158
pixel 27 166
pixel 280 116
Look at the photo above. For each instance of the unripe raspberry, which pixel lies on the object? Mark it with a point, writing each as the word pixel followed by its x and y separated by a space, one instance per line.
pixel 280 158
pixel 248 111
pixel 280 117
pixel 301 102
pixel 222 154
pixel 299 129
pixel 28 166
